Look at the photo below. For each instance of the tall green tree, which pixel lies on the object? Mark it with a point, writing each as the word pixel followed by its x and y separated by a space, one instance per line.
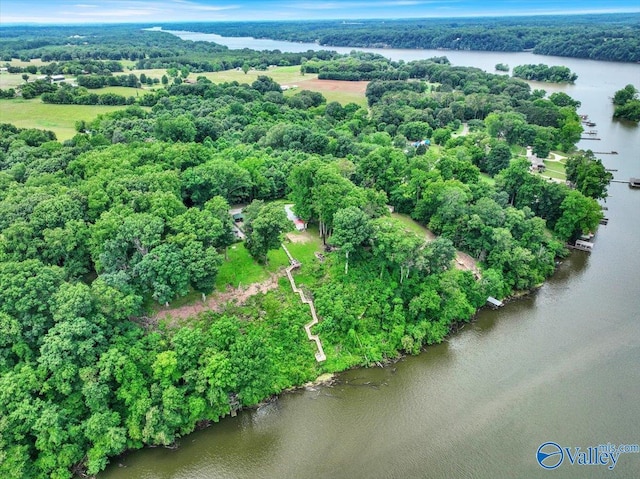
pixel 351 228
pixel 264 225
pixel 580 215
pixel 588 174
pixel 498 158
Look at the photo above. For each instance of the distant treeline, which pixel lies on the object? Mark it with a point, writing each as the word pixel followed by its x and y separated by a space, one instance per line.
pixel 613 37
pixel 81 49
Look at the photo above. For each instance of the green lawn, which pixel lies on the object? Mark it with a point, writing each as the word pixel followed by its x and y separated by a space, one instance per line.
pixel 120 90
pixel 412 225
pixel 342 97
pixel 554 169
pixel 305 252
pixel 60 119
pixel 487 179
pixel 240 269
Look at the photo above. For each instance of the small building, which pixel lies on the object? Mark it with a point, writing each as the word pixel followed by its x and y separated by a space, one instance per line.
pixel 418 143
pixel 537 164
pixel 298 223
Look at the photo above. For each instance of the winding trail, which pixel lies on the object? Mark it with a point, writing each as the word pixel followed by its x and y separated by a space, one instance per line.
pixel 320 356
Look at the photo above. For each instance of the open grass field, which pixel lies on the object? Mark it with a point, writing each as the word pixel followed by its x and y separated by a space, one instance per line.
pixel 19 63
pixel 341 91
pixel 120 90
pixel 60 119
pixel 12 80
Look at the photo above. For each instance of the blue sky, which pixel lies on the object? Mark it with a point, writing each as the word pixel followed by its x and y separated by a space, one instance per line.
pixel 143 11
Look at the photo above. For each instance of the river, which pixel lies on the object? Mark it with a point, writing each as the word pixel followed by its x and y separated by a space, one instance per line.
pixel 561 364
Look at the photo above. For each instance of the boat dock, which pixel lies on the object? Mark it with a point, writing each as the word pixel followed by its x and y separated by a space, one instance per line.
pixel 582 245
pixel 494 303
pixel 633 182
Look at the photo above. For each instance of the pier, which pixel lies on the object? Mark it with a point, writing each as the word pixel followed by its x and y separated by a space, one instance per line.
pixel 582 246
pixel 633 182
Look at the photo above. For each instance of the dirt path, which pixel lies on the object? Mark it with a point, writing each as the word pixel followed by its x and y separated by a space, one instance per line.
pixel 217 301
pixel 466 262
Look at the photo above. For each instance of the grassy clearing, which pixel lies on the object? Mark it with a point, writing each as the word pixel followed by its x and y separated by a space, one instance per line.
pixel 305 252
pixel 119 90
pixel 60 119
pixel 518 150
pixel 412 225
pixel 554 169
pixel 242 270
pixel 12 80
pixel 342 97
pixel 487 179
pixel 19 63
pixel 283 75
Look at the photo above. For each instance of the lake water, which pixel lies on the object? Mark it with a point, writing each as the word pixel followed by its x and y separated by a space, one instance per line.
pixel 560 365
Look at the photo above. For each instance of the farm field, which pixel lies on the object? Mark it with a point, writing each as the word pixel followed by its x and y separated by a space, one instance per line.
pixel 60 119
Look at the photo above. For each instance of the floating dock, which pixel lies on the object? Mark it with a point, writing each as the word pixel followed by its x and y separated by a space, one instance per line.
pixel 494 303
pixel 582 245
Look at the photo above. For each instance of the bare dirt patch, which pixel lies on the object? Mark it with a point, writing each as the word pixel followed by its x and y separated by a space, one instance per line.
pixel 466 263
pixel 216 302
pixel 299 237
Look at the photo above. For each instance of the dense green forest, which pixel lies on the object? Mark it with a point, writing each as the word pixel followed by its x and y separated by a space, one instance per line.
pixel 100 231
pixel 627 104
pixel 545 73
pixel 613 37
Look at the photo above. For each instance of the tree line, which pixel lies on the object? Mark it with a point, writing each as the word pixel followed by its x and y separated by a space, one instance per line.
pixel 609 37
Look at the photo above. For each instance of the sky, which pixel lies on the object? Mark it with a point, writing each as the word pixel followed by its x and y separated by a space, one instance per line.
pixel 149 11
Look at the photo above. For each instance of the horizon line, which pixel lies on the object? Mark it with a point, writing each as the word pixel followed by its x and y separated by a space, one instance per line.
pixel 367 19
